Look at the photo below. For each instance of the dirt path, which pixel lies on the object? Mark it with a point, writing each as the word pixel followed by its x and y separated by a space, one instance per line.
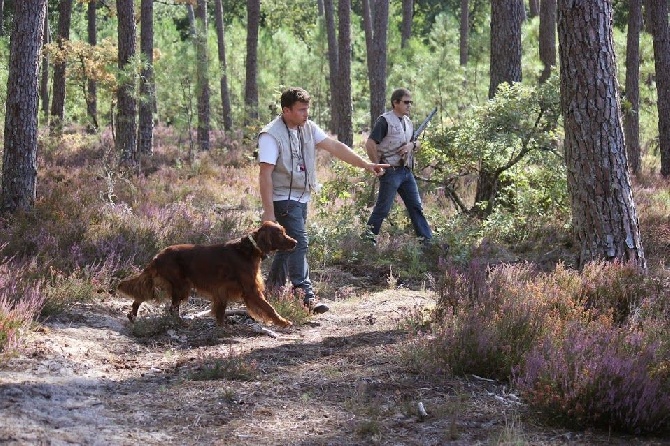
pixel 338 380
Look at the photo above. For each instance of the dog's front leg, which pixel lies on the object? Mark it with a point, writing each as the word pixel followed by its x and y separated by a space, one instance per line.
pixel 219 304
pixel 178 294
pixel 132 315
pixel 260 308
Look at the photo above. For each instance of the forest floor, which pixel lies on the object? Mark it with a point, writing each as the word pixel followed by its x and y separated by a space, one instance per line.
pixel 87 378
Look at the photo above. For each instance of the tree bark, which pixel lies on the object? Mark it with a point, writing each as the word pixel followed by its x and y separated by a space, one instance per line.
pixel 658 14
pixel 58 94
pixel 19 161
pixel 126 122
pixel 604 216
pixel 506 19
pixel 202 67
pixel 147 86
pixel 406 27
pixel 632 94
pixel 44 81
pixel 646 11
pixel 91 86
pixel 2 17
pixel 333 63
pixel 375 20
pixel 191 19
pixel 547 42
pixel 344 131
pixel 251 82
pixel 533 8
pixel 464 32
pixel 221 45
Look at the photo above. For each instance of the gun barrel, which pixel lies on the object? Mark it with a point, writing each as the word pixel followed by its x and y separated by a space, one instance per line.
pixel 423 125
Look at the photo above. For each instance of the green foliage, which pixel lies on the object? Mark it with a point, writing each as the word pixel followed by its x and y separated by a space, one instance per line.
pixel 426 12
pixel 64 291
pixel 509 141
pixel 297 14
pixel 287 304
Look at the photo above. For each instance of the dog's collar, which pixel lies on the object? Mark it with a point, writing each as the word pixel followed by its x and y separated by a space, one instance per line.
pixel 253 242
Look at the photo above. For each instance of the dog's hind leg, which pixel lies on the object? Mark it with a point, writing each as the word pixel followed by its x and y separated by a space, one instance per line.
pixel 140 288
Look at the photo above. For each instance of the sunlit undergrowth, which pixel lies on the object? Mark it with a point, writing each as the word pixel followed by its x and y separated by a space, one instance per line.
pixel 21 300
pixel 510 304
pixel 582 349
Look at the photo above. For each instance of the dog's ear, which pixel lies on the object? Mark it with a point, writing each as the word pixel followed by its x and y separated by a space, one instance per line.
pixel 265 235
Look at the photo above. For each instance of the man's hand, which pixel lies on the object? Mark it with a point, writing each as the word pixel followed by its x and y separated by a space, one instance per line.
pixel 377 169
pixel 404 149
pixel 268 216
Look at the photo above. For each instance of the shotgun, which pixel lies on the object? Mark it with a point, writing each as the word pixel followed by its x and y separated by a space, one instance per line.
pixel 423 125
pixel 418 133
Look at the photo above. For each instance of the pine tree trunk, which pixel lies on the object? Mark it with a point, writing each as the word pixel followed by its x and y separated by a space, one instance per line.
pixel 221 45
pixel 191 19
pixel 58 94
pixel 547 42
pixel 485 193
pixel 251 81
pixel 147 86
pixel 333 63
pixel 506 19
pixel 345 131
pixel 126 121
pixel 604 216
pixel 19 161
pixel 2 17
pixel 406 27
pixel 658 14
pixel 632 93
pixel 202 67
pixel 91 88
pixel 533 8
pixel 375 19
pixel 44 81
pixel 464 32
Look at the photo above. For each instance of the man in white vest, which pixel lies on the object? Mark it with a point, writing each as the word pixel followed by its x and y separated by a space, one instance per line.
pixel 391 142
pixel 287 156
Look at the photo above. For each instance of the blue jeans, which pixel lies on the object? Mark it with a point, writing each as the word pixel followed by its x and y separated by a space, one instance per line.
pixel 399 180
pixel 292 215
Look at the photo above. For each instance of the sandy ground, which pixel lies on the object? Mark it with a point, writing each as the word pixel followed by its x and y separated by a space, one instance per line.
pixel 88 378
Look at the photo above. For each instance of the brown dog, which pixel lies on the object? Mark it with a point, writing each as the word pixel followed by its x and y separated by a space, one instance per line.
pixel 222 273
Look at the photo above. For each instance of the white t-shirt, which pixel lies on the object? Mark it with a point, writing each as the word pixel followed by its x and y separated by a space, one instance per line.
pixel 268 152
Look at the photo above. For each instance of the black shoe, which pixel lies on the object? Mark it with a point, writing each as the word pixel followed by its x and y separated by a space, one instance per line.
pixel 316 307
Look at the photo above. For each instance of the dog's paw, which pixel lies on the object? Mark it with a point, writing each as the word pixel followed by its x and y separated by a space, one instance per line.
pixel 285 324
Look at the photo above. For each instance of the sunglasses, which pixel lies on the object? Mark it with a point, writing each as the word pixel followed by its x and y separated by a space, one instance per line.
pixel 407 102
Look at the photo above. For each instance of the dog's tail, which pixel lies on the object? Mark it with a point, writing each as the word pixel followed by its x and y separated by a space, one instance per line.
pixel 140 287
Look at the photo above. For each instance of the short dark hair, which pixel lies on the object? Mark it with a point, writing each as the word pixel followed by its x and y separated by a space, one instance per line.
pixel 292 95
pixel 398 94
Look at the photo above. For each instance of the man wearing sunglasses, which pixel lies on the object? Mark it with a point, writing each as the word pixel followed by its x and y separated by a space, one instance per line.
pixel 390 142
